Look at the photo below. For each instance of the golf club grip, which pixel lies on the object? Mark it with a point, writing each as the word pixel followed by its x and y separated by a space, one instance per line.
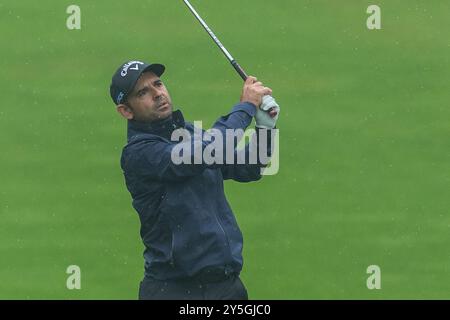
pixel 239 70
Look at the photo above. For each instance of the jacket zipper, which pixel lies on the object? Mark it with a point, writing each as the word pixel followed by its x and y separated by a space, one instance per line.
pixel 225 235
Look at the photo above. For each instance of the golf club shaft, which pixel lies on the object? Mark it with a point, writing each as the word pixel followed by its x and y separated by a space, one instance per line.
pixel 230 58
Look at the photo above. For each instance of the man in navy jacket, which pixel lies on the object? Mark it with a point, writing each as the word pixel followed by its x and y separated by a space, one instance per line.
pixel 193 244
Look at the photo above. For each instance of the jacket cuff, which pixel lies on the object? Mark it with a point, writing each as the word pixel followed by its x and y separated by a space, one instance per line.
pixel 247 107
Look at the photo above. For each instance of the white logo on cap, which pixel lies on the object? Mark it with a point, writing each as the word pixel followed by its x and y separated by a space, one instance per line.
pixel 120 97
pixel 128 65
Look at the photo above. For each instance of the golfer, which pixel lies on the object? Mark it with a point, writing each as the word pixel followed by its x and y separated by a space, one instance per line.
pixel 193 244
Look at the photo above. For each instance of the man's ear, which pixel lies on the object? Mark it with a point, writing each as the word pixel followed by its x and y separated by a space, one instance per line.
pixel 125 111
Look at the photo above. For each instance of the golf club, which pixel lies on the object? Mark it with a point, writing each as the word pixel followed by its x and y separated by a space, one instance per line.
pixel 227 54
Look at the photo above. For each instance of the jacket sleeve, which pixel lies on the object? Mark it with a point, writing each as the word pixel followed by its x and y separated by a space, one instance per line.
pixel 152 158
pixel 261 145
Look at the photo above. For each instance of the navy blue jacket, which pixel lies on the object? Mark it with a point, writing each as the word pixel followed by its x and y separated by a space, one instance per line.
pixel 186 221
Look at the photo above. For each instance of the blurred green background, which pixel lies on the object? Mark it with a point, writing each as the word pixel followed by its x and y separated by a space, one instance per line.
pixel 364 143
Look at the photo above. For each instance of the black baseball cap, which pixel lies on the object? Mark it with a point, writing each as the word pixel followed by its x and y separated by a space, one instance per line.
pixel 125 78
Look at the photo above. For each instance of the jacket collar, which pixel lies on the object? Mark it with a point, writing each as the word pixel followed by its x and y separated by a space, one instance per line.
pixel 162 128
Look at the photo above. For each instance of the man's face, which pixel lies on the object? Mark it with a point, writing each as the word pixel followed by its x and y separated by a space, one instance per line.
pixel 149 101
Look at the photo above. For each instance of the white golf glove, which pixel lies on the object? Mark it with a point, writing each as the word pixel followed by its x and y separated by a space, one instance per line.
pixel 262 116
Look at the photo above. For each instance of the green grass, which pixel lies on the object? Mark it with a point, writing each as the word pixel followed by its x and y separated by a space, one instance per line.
pixel 365 165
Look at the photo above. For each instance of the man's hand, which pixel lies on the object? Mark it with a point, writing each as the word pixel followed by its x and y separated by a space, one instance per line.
pixel 254 91
pixel 267 114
